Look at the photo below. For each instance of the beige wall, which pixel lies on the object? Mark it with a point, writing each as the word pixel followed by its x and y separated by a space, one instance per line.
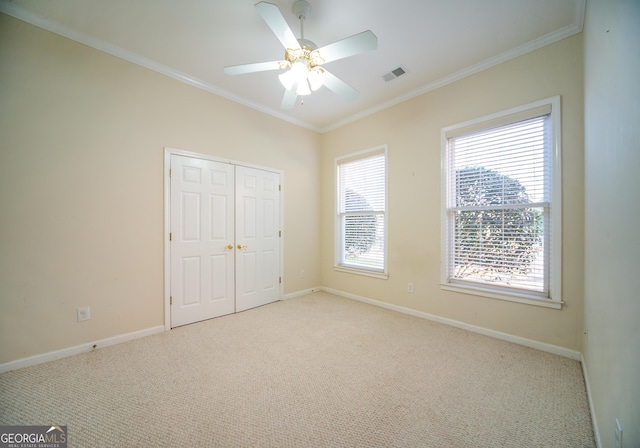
pixel 412 132
pixel 612 245
pixel 82 138
pixel 81 189
pixel 81 223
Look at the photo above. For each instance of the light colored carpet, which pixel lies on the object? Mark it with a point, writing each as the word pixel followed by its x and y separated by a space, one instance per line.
pixel 314 371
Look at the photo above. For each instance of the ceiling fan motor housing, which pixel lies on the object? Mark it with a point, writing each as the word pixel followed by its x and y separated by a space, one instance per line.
pixel 302 10
pixel 307 44
pixel 307 54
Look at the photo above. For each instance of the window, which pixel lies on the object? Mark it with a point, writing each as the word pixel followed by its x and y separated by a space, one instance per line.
pixel 361 217
pixel 501 213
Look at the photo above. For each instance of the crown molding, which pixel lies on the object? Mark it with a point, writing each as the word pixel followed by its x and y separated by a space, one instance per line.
pixel 39 21
pixel 25 15
pixel 555 36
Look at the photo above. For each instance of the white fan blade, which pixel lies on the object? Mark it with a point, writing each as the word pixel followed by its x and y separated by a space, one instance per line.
pixel 340 87
pixel 274 19
pixel 250 68
pixel 289 98
pixel 350 46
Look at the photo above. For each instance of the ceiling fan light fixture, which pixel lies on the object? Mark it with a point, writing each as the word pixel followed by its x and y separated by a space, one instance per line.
pixel 303 88
pixel 303 59
pixel 296 75
pixel 316 78
pixel 287 79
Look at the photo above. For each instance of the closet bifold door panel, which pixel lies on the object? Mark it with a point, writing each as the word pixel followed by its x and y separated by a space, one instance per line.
pixel 257 237
pixel 202 227
pixel 225 238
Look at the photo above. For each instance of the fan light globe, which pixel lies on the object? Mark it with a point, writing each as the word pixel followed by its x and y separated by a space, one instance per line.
pixel 316 78
pixel 301 78
pixel 303 88
pixel 287 79
pixel 296 75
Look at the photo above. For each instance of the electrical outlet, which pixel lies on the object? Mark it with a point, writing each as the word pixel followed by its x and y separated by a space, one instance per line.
pixel 84 313
pixel 409 287
pixel 618 434
pixel 301 273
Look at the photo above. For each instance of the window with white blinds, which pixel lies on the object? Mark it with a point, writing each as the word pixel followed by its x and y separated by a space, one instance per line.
pixel 361 218
pixel 502 205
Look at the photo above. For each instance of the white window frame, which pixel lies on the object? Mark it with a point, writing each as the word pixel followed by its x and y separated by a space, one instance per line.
pixel 338 236
pixel 555 270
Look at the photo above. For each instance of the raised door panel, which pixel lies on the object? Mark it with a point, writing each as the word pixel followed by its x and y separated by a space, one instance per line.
pixel 258 237
pixel 202 263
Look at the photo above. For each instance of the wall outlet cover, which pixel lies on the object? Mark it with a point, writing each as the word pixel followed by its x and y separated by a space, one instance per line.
pixel 84 313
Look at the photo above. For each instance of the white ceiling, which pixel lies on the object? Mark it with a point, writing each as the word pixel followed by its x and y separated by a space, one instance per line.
pixel 437 41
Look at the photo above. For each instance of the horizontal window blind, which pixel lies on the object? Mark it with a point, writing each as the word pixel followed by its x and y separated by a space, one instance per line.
pixel 499 206
pixel 361 211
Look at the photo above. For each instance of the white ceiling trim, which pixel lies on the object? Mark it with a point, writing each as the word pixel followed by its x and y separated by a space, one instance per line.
pixel 562 33
pixel 44 23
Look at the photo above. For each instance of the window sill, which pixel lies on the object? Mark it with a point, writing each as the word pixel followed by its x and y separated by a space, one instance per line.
pixel 518 298
pixel 367 273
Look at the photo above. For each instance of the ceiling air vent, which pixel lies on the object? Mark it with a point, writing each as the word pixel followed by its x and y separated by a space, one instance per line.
pixel 393 74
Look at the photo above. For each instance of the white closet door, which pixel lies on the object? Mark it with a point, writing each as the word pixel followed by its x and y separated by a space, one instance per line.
pixel 202 243
pixel 257 237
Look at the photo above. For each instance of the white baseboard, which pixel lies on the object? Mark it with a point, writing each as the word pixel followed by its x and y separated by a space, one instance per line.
pixel 572 354
pixel 51 356
pixel 304 292
pixel 594 421
pixel 557 350
pixel 76 350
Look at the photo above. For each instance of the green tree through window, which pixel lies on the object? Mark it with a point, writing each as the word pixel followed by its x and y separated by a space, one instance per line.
pixel 361 221
pixel 359 230
pixel 494 244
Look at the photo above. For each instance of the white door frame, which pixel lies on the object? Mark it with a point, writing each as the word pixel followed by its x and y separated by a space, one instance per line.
pixel 168 152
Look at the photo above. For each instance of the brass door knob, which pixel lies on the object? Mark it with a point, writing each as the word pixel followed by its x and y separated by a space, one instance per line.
pixel 242 246
pixel 229 247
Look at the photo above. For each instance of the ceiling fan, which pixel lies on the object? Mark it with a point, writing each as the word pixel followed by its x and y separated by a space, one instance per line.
pixel 303 60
